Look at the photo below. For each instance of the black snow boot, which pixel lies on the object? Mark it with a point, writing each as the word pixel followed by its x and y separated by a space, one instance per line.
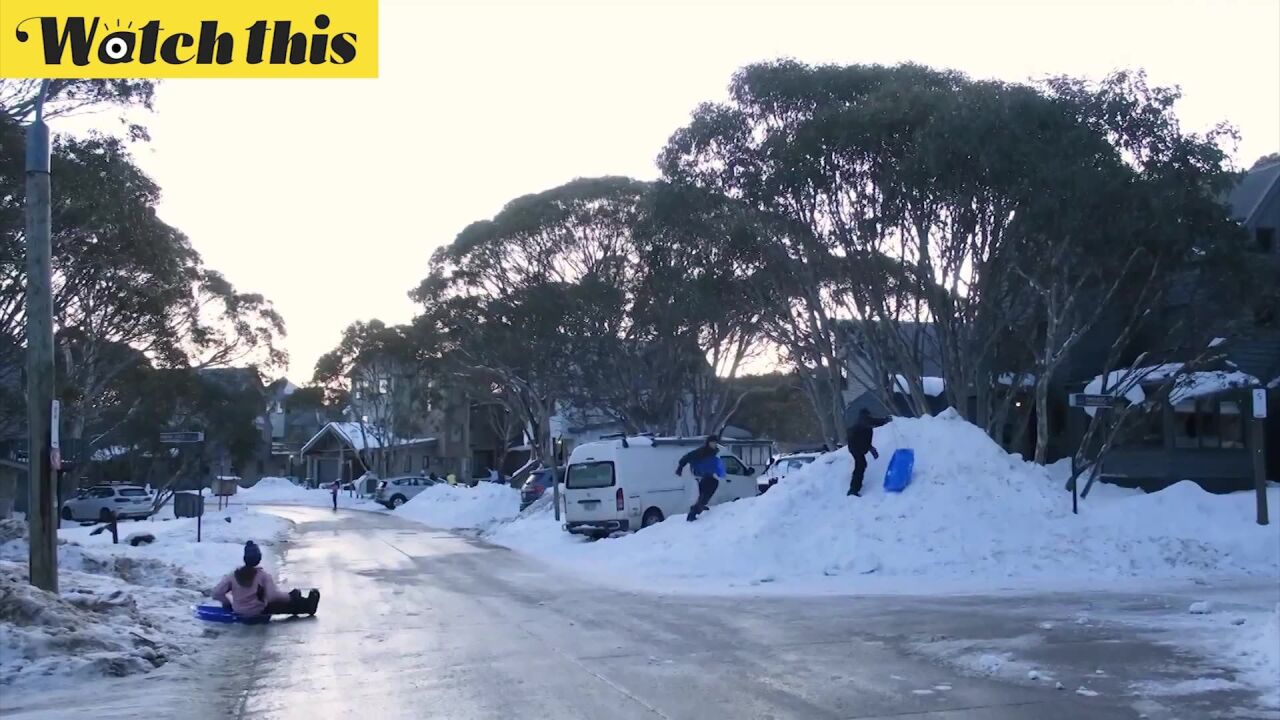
pixel 313 602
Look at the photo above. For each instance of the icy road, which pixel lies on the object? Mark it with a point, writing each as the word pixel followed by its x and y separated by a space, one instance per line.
pixel 423 624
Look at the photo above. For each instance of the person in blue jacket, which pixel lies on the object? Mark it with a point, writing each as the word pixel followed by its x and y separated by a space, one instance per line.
pixel 708 469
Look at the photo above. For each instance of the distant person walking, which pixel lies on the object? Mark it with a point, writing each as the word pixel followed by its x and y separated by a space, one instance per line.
pixel 333 489
pixel 708 469
pixel 860 436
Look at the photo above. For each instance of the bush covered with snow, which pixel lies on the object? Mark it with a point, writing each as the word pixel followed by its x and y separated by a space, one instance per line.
pixel 449 506
pixel 974 518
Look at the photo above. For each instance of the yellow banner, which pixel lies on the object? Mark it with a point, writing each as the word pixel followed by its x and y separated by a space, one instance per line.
pixel 89 39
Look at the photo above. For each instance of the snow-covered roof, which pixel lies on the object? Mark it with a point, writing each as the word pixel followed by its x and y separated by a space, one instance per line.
pixel 108 453
pixel 1128 382
pixel 1023 379
pixel 371 437
pixel 932 386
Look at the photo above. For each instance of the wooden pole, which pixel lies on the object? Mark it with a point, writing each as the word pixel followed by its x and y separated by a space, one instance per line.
pixel 42 517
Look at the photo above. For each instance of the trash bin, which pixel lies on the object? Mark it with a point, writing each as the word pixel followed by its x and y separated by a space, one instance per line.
pixel 188 505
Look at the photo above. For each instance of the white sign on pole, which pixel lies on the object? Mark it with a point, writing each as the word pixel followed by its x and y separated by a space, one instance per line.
pixel 1260 403
pixel 55 447
pixel 55 413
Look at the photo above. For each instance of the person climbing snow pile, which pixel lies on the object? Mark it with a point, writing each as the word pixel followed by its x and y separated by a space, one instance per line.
pixel 860 436
pixel 708 469
pixel 250 591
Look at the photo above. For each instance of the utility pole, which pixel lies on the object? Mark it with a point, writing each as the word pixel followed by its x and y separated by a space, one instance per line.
pixel 42 518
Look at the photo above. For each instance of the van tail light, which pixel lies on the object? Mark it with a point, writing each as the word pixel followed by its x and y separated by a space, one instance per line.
pixel 619 496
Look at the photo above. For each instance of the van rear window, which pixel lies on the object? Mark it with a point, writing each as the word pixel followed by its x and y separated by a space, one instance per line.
pixel 583 476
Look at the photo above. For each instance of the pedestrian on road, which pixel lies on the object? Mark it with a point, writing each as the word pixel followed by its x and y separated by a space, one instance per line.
pixel 708 469
pixel 860 444
pixel 333 489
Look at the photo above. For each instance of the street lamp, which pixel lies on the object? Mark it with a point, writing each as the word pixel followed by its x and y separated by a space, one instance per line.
pixel 42 518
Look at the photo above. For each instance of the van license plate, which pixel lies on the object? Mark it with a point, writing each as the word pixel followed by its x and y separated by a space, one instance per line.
pixel 588 502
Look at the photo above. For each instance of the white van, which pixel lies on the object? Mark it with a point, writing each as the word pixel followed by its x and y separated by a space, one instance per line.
pixel 626 484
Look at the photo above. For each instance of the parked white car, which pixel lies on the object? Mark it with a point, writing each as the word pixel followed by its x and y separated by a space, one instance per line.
pixel 783 466
pixel 100 502
pixel 618 485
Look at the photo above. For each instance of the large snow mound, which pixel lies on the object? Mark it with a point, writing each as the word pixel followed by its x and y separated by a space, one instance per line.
pixel 122 609
pixel 282 491
pixel 449 506
pixel 974 518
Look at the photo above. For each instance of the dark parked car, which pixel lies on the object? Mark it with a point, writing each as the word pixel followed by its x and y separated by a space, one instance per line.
pixel 539 482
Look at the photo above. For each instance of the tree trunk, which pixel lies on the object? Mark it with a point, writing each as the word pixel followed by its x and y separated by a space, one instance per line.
pixel 1042 419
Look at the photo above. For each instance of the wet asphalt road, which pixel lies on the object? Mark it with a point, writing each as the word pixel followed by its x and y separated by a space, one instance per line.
pixel 416 623
pixel 421 624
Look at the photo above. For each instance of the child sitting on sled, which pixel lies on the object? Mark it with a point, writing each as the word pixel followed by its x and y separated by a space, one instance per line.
pixel 253 592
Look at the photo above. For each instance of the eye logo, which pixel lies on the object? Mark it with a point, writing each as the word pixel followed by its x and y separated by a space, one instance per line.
pixel 118 47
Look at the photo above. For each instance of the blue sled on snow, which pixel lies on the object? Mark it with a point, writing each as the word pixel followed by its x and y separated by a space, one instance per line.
pixel 898 475
pixel 219 614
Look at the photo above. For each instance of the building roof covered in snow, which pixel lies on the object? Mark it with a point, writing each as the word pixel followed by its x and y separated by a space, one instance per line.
pixel 356 437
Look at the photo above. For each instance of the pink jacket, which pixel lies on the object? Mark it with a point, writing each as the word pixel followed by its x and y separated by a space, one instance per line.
pixel 248 600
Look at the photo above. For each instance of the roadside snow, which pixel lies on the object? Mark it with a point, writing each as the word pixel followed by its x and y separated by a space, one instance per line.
pixel 448 506
pixel 281 491
pixel 121 609
pixel 974 519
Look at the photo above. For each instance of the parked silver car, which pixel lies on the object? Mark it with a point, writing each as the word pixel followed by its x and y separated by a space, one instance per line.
pixel 101 502
pixel 397 491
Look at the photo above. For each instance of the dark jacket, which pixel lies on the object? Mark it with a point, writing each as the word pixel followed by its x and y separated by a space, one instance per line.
pixel 860 435
pixel 703 461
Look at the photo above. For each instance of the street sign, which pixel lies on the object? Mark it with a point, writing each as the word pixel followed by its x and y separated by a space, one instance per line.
pixel 1260 403
pixel 181 437
pixel 1094 401
pixel 55 443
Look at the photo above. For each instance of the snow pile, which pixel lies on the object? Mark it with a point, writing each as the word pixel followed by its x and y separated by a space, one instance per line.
pixel 448 506
pixel 121 609
pixel 535 524
pixel 974 518
pixel 282 491
pixel 1257 655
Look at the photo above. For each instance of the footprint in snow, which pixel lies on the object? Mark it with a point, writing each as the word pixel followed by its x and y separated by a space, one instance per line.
pixel 942 688
pixel 921 692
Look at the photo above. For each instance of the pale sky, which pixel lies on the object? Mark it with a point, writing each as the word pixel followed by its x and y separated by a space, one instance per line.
pixel 329 196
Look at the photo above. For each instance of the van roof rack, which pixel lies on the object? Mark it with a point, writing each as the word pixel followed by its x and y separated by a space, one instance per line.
pixel 616 436
pixel 694 440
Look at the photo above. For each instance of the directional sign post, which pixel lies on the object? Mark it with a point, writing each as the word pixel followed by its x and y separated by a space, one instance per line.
pixel 173 438
pixel 1094 401
pixel 1258 441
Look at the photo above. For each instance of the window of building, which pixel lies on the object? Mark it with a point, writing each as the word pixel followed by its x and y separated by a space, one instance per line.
pixel 408 464
pixel 1149 425
pixel 1231 424
pixel 1208 423
pixel 1266 239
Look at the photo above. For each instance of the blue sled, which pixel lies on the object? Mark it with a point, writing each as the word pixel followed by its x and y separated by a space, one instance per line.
pixel 898 475
pixel 216 613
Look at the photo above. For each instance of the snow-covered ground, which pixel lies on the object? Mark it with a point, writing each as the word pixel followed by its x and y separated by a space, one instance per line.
pixel 448 506
pixel 280 491
pixel 121 609
pixel 974 520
